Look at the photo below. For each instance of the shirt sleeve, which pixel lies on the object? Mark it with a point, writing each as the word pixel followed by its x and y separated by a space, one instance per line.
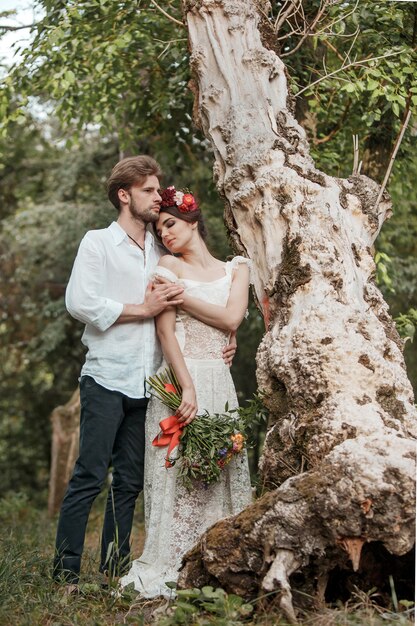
pixel 84 294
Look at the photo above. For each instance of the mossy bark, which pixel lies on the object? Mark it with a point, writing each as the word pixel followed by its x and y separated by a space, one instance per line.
pixel 339 454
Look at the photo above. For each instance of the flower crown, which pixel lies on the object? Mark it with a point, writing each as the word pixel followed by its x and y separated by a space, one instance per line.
pixel 183 200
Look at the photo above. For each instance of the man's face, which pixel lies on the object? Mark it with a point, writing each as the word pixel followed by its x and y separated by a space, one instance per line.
pixel 143 200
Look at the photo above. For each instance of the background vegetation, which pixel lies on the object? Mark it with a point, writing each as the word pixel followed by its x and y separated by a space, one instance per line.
pixel 106 79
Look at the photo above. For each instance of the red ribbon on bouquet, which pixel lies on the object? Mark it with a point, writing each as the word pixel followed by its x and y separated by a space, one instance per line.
pixel 170 435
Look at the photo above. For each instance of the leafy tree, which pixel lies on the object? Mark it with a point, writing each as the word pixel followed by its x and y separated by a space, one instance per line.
pixel 51 196
pixel 40 347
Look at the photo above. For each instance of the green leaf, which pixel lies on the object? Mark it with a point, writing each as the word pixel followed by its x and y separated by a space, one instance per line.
pixel 171 584
pixel 69 77
pixel 246 610
pixel 372 84
pixel 349 87
pixel 188 593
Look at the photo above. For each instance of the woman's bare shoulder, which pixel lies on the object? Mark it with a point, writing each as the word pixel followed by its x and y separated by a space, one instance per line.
pixel 169 261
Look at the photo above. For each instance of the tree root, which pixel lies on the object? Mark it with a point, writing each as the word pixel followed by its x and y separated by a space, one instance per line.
pixel 278 575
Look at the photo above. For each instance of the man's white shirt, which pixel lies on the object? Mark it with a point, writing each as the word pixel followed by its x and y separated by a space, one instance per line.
pixel 109 272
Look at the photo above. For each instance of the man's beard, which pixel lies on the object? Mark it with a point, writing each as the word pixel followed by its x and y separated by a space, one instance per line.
pixel 146 215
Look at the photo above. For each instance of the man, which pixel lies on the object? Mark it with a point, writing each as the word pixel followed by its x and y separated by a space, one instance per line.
pixel 110 291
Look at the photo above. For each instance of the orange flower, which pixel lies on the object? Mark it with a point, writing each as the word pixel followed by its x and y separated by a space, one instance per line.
pixel 188 199
pixel 170 388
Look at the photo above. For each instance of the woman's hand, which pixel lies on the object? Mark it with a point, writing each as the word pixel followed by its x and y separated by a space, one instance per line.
pixel 187 410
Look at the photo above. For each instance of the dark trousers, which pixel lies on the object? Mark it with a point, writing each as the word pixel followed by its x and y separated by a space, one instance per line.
pixel 112 432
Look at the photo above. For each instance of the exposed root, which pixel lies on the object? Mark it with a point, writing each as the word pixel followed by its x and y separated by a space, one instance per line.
pixel 285 563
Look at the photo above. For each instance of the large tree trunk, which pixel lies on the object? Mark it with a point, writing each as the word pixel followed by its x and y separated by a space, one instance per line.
pixel 339 453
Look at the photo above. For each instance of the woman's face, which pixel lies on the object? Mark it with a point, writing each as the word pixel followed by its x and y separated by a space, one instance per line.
pixel 174 232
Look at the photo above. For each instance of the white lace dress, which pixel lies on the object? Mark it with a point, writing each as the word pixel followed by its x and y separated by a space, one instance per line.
pixel 174 517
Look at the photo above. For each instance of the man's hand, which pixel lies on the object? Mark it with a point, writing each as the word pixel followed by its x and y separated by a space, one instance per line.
pixel 229 351
pixel 158 297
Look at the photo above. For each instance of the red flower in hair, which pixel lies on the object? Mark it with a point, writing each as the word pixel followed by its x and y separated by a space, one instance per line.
pixel 168 197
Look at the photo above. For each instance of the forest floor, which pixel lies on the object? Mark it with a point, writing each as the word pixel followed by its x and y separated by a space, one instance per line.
pixel 30 598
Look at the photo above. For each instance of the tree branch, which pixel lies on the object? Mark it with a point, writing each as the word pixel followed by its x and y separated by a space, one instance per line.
pixel 173 19
pixel 5 27
pixel 336 127
pixel 285 13
pixel 309 29
pixel 346 67
pixel 327 43
pixel 407 115
pixel 356 165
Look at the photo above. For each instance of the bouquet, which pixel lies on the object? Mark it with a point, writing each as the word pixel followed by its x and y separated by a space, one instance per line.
pixel 206 445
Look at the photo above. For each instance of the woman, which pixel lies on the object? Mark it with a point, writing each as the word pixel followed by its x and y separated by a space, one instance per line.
pixel 175 517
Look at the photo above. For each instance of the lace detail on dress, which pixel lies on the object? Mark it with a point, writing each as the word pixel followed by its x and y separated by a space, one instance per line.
pixel 201 341
pixel 175 518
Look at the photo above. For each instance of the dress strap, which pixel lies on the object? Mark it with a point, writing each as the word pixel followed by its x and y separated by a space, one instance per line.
pixel 165 273
pixel 237 260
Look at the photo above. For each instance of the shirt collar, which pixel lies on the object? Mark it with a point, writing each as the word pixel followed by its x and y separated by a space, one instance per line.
pixel 149 238
pixel 117 233
pixel 120 235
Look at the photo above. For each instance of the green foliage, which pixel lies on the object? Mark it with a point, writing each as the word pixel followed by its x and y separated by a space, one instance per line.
pixel 375 43
pixel 26 149
pixel 124 67
pixel 398 241
pixel 209 606
pixel 407 324
pixel 249 336
pixel 194 606
pixel 49 197
pixel 383 277
pixel 119 66
pixel 254 415
pixel 40 344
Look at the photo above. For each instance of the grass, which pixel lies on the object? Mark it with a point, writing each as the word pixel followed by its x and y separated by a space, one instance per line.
pixel 28 596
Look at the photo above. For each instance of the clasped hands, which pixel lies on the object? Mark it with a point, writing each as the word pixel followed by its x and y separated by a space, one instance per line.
pixel 159 296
